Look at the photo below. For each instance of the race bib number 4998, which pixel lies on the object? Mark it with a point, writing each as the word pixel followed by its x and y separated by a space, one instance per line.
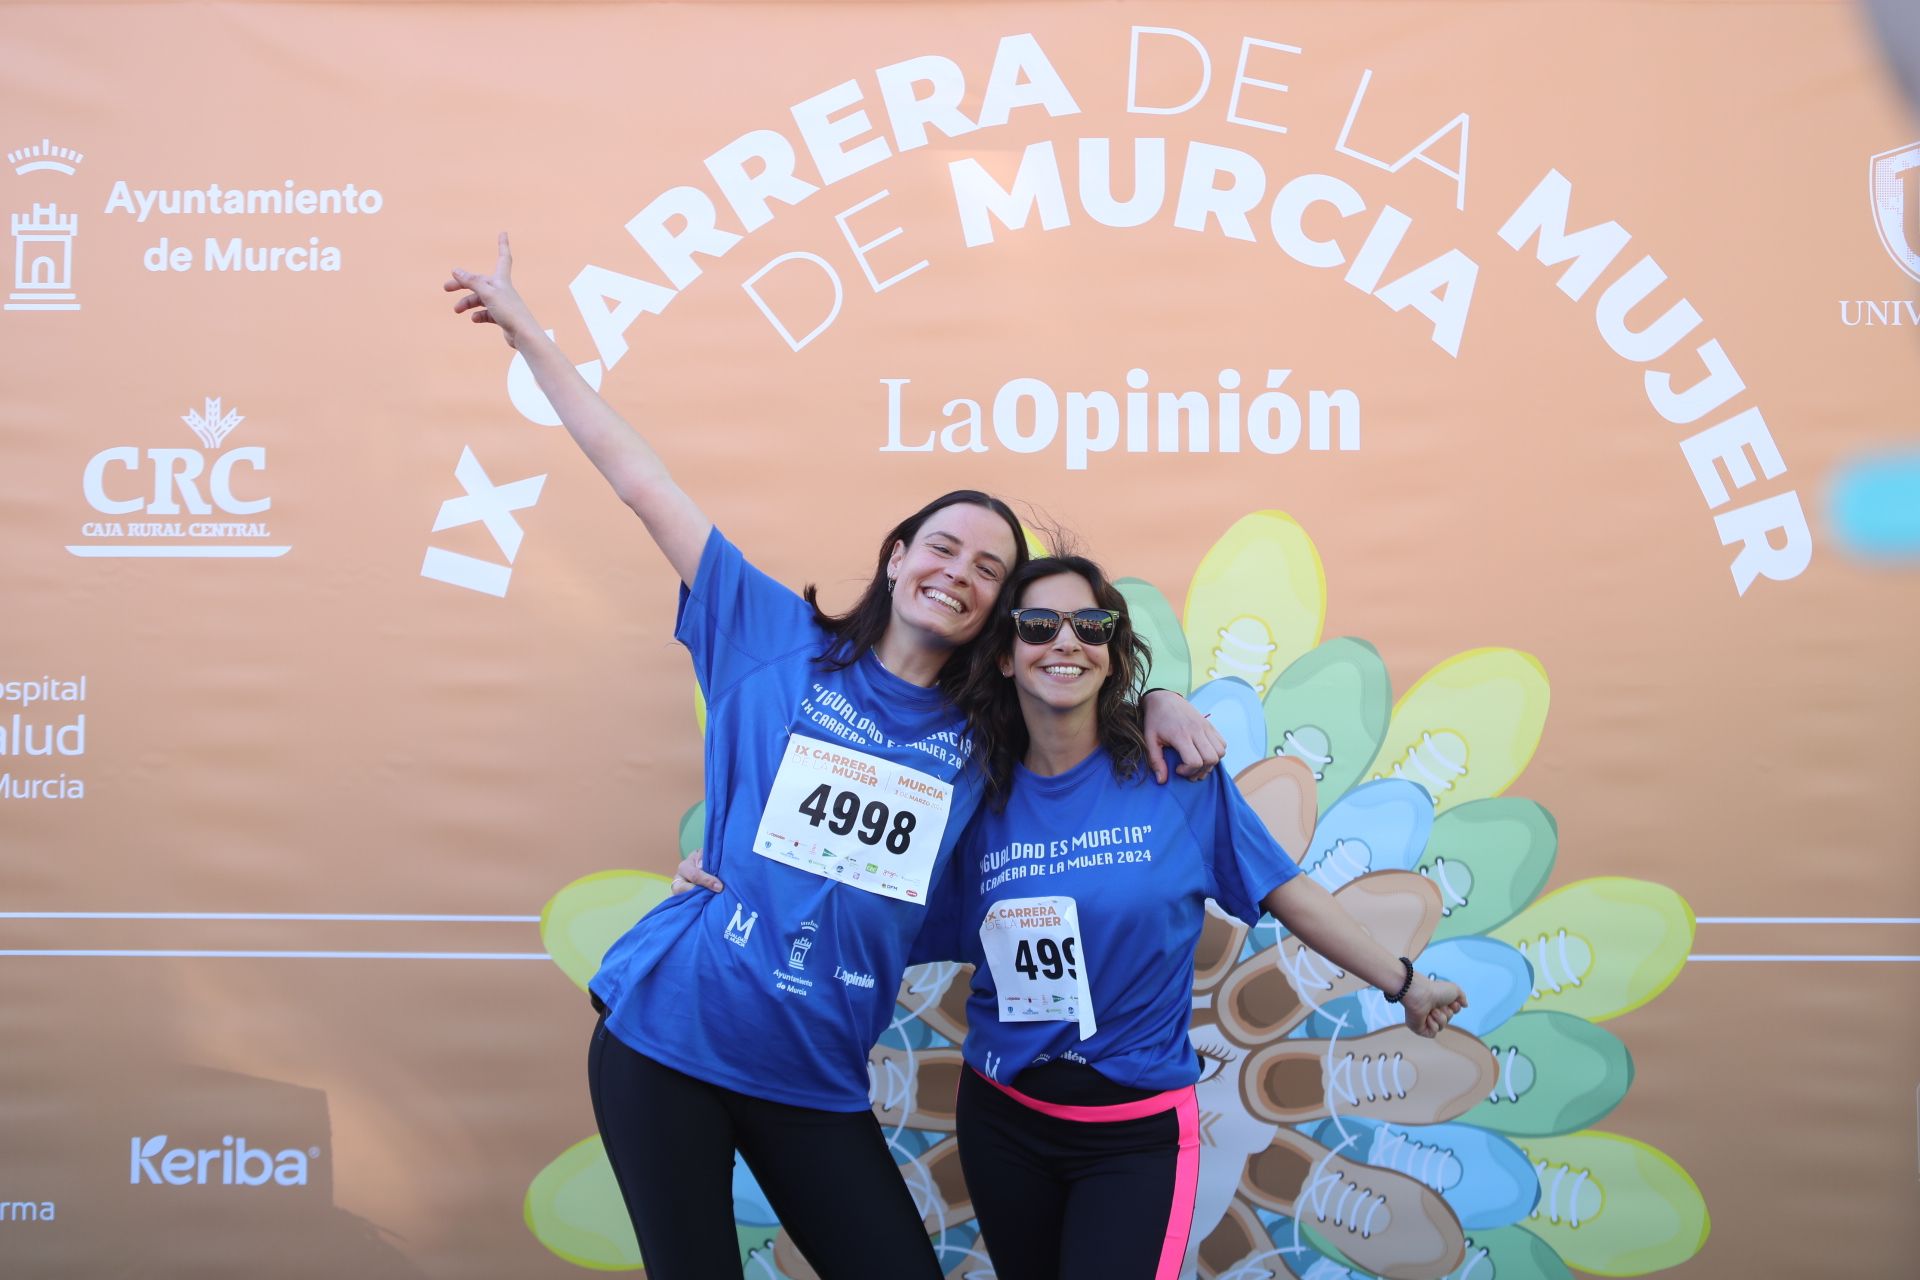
pixel 855 818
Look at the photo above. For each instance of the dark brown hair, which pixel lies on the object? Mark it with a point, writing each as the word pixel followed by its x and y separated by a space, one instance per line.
pixel 993 706
pixel 860 628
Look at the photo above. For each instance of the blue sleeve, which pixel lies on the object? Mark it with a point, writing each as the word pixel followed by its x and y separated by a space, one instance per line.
pixel 1244 862
pixel 942 934
pixel 735 619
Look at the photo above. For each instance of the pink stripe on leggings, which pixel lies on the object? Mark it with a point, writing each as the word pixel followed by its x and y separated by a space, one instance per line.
pixel 1186 1166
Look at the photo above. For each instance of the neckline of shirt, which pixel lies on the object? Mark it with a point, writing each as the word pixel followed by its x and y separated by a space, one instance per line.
pixel 1092 766
pixel 898 689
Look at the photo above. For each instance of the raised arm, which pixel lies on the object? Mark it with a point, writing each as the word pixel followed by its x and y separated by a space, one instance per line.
pixel 628 462
pixel 1311 914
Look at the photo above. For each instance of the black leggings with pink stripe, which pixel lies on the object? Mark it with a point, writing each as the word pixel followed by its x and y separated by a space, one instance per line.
pixel 1074 1191
pixel 829 1175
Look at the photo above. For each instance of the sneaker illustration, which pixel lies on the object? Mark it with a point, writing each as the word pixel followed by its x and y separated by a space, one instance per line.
pixel 1388 1223
pixel 1280 790
pixel 1490 859
pixel 1395 1075
pixel 1468 727
pixel 1613 1205
pixel 1494 976
pixel 1234 708
pixel 914 1086
pixel 1276 989
pixel 1483 1177
pixel 1503 1253
pixel 1604 946
pixel 1256 601
pixel 574 1208
pixel 580 922
pixel 1378 826
pixel 1329 710
pixel 1155 622
pixel 1557 1073
pixel 1239 1248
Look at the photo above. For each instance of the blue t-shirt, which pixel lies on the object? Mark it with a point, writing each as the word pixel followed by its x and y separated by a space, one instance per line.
pixel 1139 860
pixel 778 986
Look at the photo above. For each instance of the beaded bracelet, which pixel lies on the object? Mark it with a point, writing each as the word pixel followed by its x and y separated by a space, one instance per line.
pixel 1406 986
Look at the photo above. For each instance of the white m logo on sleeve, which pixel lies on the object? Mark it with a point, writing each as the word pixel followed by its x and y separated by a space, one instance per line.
pixel 486 503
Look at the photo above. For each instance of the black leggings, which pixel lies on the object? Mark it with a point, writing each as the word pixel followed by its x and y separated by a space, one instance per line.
pixel 827 1174
pixel 1068 1192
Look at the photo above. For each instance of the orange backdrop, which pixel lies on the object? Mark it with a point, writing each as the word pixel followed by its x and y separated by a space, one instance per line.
pixel 1566 319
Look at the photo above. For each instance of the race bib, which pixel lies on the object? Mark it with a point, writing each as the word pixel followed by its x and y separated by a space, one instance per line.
pixel 1039 967
pixel 855 818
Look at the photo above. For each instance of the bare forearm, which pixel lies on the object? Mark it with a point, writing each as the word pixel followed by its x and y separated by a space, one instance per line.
pixel 628 462
pixel 635 470
pixel 1311 915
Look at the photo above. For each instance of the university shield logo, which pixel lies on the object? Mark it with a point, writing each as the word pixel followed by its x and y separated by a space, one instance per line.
pixel 1893 213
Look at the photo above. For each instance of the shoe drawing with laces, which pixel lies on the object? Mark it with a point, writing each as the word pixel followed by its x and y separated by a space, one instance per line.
pixel 1502 1253
pixel 1329 710
pixel 1555 1073
pixel 1385 1221
pixel 1494 976
pixel 1280 790
pixel 1490 858
pixel 1394 1074
pixel 1603 946
pixel 1467 728
pixel 1613 1205
pixel 1378 826
pixel 1483 1176
pixel 917 1085
pixel 1256 601
pixel 1278 988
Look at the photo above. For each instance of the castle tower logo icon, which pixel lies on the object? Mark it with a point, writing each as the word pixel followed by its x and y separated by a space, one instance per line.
pixel 43 236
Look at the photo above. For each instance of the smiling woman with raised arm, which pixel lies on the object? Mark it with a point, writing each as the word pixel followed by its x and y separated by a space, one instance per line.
pixel 1078 894
pixel 827 736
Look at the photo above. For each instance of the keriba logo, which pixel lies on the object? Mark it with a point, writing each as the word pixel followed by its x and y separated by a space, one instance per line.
pixel 231 1164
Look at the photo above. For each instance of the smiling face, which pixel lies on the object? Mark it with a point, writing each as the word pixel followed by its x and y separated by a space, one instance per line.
pixel 947 579
pixel 1064 675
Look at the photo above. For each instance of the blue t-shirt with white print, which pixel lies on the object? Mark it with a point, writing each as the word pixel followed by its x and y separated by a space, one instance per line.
pixel 1139 860
pixel 778 986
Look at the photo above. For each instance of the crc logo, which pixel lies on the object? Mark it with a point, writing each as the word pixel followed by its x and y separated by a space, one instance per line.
pixel 176 472
pixel 170 486
pixel 231 1164
pixel 1896 207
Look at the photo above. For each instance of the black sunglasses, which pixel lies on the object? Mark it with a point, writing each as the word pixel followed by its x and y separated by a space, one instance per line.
pixel 1040 626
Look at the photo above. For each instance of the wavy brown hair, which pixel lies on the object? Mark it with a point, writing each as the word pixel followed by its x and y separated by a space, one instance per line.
pixel 860 628
pixel 993 706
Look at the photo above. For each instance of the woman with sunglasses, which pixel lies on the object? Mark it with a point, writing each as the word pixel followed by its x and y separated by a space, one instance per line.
pixel 1078 895
pixel 722 1026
